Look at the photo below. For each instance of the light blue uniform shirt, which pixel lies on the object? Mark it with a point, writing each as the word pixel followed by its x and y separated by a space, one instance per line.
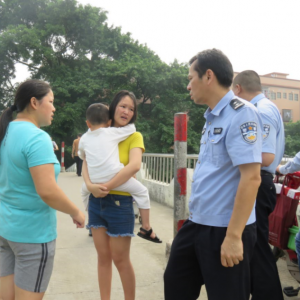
pixel 291 166
pixel 273 130
pixel 230 137
pixel 24 216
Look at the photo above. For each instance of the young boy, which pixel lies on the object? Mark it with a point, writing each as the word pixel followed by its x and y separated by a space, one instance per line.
pixel 99 147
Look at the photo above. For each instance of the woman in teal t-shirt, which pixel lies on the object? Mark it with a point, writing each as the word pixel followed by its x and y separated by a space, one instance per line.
pixel 29 194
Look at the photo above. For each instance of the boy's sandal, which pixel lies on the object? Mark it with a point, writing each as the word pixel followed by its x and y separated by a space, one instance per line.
pixel 147 235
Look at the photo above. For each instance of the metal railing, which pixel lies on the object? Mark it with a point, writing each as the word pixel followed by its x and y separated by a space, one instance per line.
pixel 160 167
pixel 286 159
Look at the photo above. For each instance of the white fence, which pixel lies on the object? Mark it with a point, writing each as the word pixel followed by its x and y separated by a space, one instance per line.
pixel 160 167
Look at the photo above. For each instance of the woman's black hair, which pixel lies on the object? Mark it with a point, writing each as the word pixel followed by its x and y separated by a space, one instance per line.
pixel 117 98
pixel 26 90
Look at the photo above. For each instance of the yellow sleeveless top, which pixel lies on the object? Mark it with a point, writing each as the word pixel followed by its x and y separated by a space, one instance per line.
pixel 134 141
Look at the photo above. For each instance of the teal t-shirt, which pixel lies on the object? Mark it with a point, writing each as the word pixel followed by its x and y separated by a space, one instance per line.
pixel 24 216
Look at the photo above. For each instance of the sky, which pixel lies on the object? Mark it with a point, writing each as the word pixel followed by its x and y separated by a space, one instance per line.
pixel 260 35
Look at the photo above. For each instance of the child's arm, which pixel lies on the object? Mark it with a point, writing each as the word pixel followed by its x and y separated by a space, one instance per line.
pixel 120 134
pixel 134 165
pixel 98 190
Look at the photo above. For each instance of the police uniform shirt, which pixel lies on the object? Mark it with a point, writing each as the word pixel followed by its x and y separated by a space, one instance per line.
pixel 273 130
pixel 231 137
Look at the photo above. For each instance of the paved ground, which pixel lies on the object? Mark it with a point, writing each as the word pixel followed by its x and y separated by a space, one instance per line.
pixel 75 270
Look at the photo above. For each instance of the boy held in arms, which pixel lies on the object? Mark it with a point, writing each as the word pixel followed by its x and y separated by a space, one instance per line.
pixel 99 147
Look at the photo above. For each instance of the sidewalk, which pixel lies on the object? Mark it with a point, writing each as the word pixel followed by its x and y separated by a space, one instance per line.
pixel 75 270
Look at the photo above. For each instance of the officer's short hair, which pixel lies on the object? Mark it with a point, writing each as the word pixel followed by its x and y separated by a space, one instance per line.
pixel 216 61
pixel 97 113
pixel 249 80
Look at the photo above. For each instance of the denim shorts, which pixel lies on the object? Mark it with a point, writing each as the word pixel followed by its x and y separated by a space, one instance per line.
pixel 113 212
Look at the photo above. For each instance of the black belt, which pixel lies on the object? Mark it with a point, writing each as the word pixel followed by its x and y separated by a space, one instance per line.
pixel 265 173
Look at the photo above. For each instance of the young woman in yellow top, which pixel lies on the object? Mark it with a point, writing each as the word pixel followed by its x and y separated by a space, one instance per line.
pixel 111 215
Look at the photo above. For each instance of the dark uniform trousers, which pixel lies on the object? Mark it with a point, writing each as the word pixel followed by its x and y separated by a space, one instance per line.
pixel 195 260
pixel 78 162
pixel 265 282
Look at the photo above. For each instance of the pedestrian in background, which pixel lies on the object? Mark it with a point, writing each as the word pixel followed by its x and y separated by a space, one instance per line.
pixel 75 156
pixel 55 147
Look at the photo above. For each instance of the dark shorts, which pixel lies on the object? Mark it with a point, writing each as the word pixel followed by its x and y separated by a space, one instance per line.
pixel 113 212
pixel 31 264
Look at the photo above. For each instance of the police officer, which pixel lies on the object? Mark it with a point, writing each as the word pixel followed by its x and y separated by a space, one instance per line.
pixel 215 245
pixel 265 282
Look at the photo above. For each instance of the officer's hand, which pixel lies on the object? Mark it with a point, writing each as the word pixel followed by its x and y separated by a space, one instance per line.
pixel 231 251
pixel 277 170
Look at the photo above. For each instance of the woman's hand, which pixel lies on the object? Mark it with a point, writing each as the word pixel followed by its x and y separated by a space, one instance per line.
pixel 98 190
pixel 79 219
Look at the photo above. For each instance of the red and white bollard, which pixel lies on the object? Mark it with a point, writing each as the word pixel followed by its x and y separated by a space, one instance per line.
pixel 180 152
pixel 62 166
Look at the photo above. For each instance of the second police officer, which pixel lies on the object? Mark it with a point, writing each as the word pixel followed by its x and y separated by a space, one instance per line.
pixel 265 282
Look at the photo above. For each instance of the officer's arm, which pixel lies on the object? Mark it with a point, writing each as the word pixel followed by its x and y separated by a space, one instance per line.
pixel 232 247
pixel 267 159
pixel 245 198
pixel 269 139
pixel 291 166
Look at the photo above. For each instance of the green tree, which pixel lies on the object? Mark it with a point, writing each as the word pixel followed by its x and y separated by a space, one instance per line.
pixel 292 138
pixel 86 61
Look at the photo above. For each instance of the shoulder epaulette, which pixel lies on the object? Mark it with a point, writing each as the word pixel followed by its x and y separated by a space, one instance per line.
pixel 236 103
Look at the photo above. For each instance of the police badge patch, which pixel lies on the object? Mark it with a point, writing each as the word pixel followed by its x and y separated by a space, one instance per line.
pixel 266 131
pixel 249 132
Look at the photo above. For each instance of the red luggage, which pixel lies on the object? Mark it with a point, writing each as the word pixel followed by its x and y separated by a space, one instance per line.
pixel 283 216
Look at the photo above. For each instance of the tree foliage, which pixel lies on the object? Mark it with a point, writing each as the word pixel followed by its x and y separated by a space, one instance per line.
pixel 86 61
pixel 292 138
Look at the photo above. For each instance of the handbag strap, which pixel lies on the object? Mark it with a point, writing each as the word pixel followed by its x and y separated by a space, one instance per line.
pixel 285 183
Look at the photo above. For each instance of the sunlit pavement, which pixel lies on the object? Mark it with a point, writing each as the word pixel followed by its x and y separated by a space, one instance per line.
pixel 75 271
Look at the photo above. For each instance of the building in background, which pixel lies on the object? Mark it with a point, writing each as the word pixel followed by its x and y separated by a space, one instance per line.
pixel 283 92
